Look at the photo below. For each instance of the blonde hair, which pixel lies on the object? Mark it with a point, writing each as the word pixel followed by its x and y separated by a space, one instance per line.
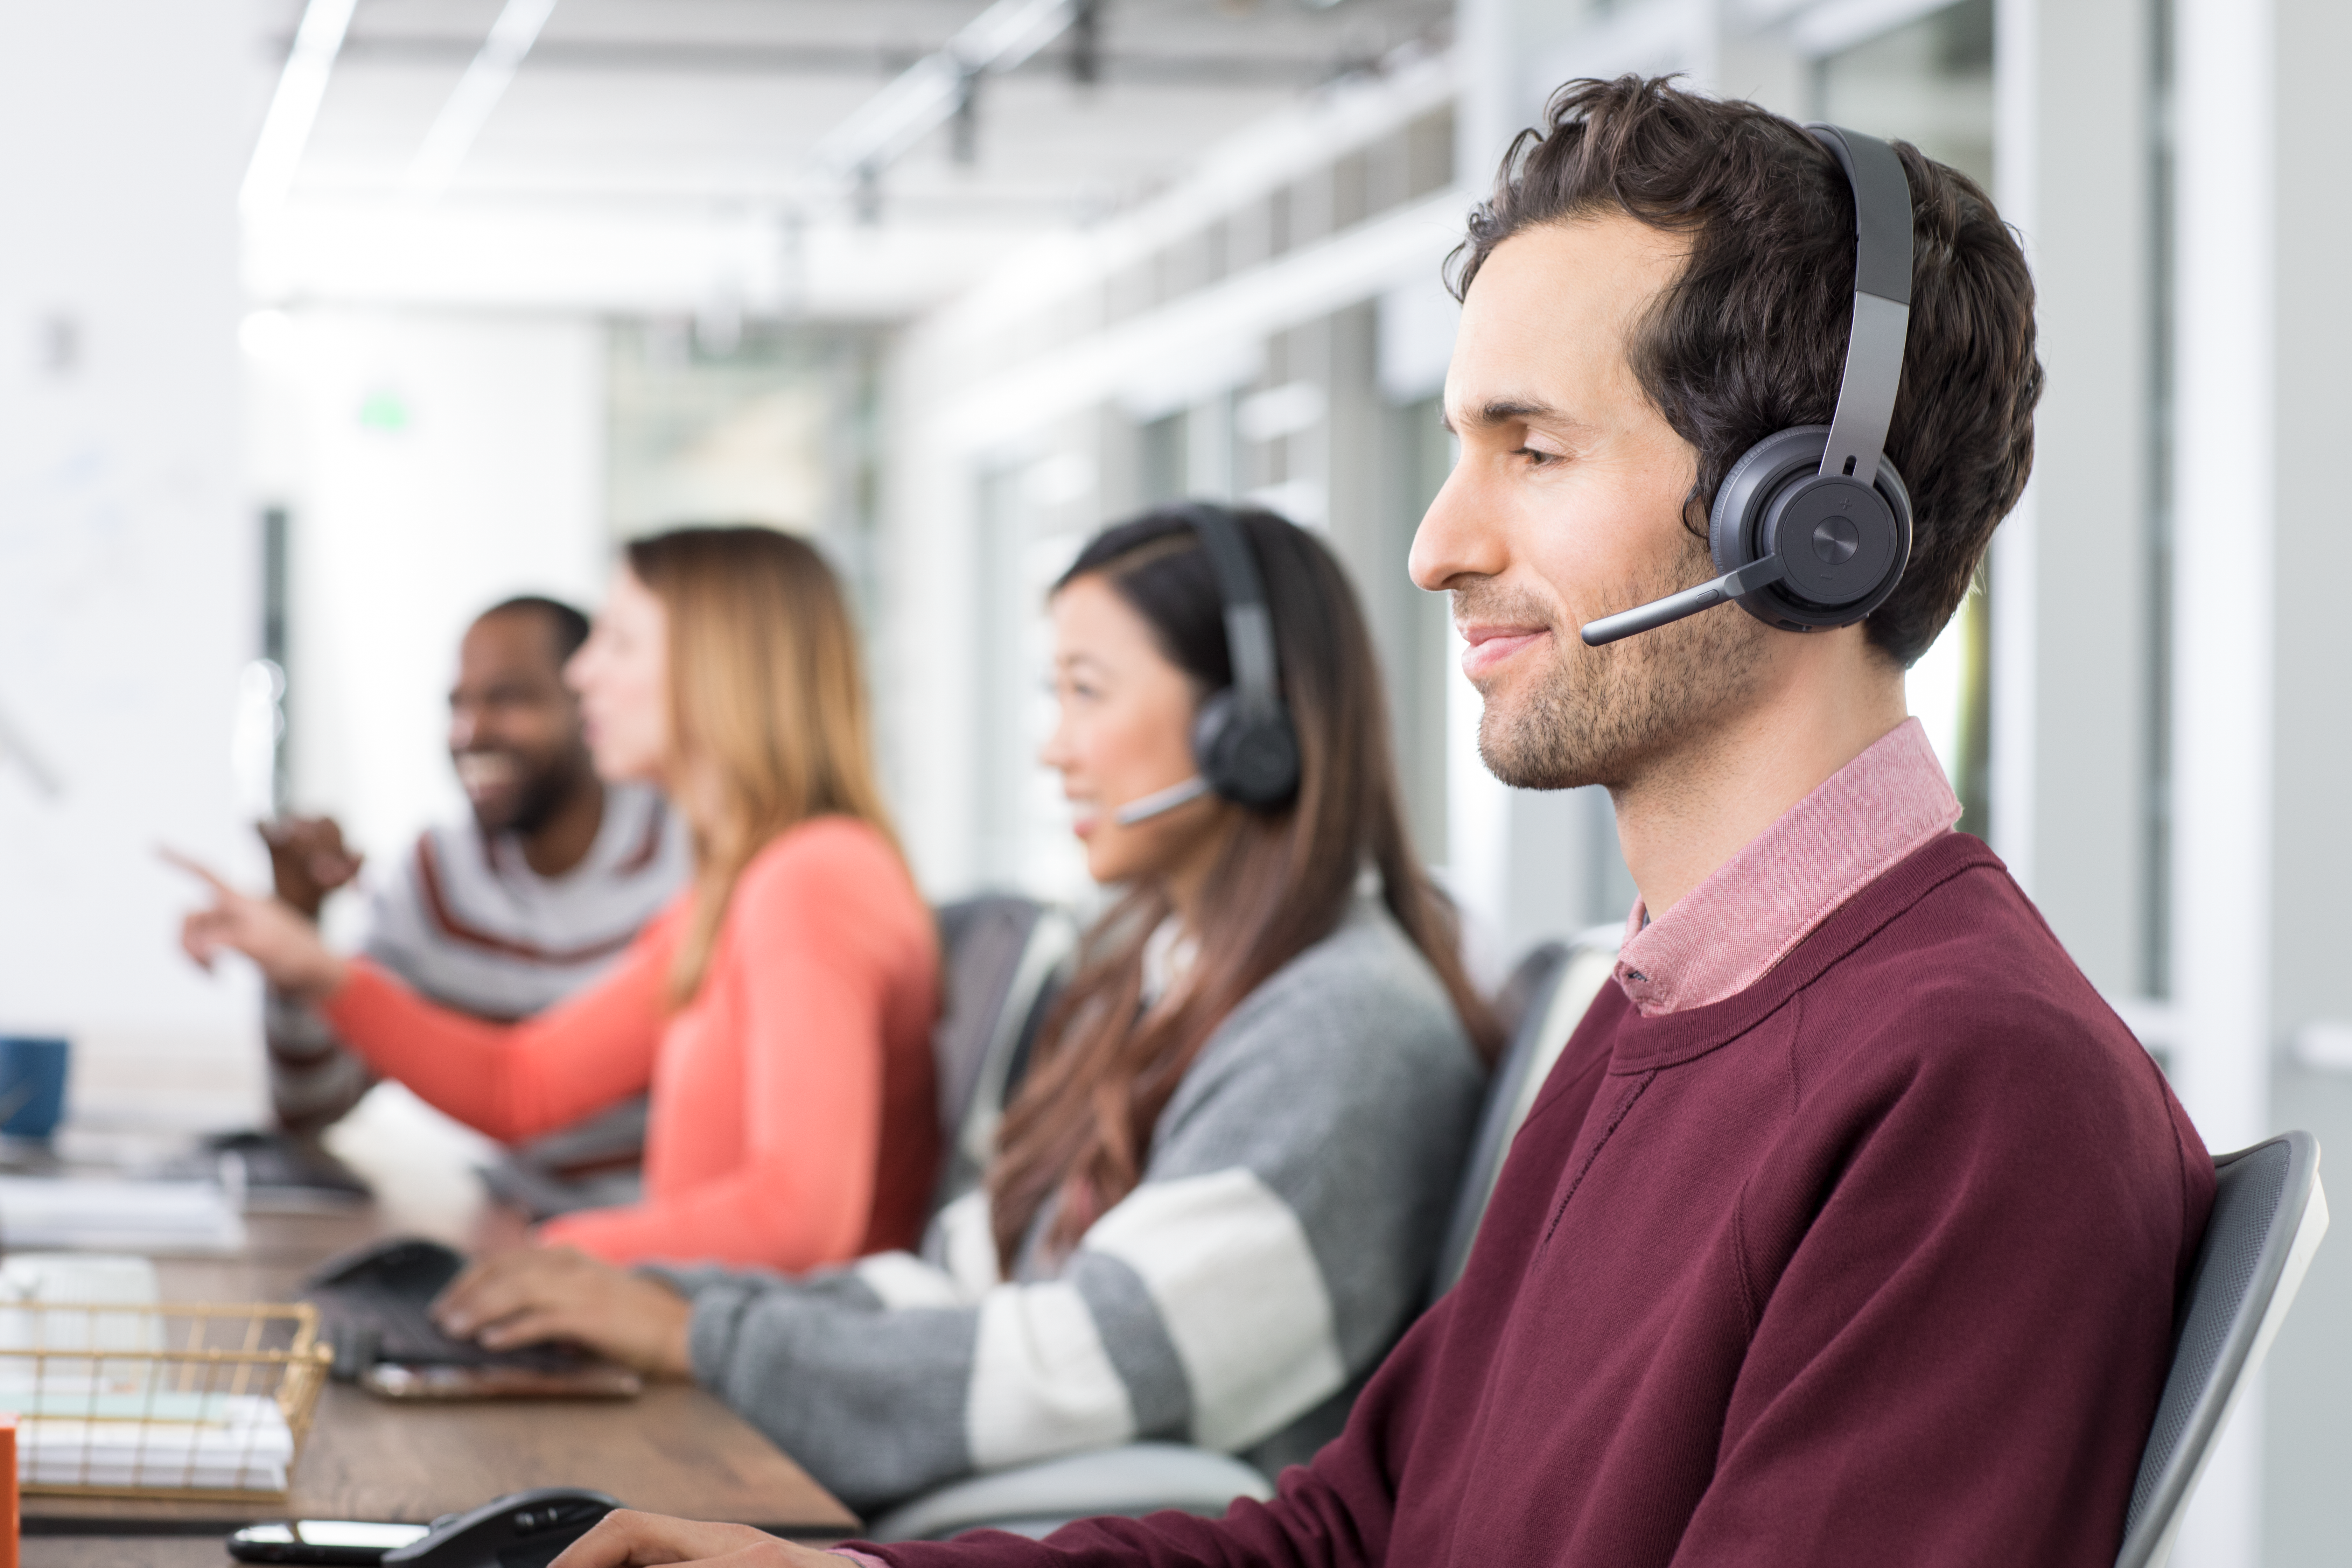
pixel 767 706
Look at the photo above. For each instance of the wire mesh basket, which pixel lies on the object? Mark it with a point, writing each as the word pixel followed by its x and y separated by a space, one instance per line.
pixel 185 1400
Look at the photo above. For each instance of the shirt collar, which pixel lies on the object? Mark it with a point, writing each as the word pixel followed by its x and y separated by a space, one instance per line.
pixel 1727 932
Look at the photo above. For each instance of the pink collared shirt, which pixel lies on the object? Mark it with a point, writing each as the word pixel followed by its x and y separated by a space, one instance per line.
pixel 1728 931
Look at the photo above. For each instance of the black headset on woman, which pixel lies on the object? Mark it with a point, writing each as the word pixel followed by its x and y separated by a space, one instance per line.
pixel 1245 748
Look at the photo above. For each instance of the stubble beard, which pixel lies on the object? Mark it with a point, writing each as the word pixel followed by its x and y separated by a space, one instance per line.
pixel 1599 716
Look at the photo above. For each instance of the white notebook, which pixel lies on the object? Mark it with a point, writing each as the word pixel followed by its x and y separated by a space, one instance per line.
pixel 85 1214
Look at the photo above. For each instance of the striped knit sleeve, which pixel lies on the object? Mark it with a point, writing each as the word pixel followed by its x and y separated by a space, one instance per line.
pixel 314 1081
pixel 315 1078
pixel 1281 1238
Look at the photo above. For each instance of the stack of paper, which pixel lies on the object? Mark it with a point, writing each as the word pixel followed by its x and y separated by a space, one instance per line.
pixel 29 1279
pixel 89 1416
pixel 83 1278
pixel 105 1214
pixel 217 1441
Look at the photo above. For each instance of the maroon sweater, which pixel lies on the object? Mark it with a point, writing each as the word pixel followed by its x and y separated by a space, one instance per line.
pixel 1874 1262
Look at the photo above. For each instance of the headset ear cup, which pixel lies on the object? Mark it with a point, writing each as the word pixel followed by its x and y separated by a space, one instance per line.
pixel 1249 758
pixel 1734 524
pixel 1737 529
pixel 1209 729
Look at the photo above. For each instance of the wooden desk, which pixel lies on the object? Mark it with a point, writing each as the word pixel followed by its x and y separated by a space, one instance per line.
pixel 675 1449
pixel 124 1552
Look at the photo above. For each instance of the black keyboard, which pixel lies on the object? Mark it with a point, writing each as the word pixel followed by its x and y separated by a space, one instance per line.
pixel 373 1307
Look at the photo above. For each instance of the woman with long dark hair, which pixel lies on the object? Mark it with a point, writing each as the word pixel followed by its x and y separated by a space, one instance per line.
pixel 1218 1193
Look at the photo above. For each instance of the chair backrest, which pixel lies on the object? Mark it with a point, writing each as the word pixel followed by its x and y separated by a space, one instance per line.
pixel 2269 1213
pixel 1000 956
pixel 1552 988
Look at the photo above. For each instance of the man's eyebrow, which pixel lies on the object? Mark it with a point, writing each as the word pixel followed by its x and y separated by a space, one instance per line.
pixel 1503 411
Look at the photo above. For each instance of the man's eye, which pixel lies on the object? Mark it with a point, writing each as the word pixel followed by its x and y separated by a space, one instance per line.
pixel 1536 459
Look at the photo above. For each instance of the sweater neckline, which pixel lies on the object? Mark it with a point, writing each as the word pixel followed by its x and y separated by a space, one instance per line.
pixel 1752 910
pixel 1668 1039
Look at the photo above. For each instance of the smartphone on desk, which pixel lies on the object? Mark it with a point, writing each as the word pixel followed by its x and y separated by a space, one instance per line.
pixel 521 1529
pixel 321 1541
pixel 433 1383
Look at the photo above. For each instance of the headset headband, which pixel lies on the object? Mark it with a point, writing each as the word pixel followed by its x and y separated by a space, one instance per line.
pixel 1243 743
pixel 1249 628
pixel 1882 301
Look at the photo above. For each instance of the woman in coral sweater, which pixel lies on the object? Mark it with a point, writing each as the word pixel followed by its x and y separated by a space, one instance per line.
pixel 778 1012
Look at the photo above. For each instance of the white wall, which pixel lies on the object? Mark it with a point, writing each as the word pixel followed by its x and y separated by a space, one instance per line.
pixel 432 465
pixel 127 559
pixel 2073 698
pixel 2306 1513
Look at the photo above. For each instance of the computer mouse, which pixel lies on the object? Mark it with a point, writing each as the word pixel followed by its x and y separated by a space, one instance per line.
pixel 521 1529
pixel 405 1265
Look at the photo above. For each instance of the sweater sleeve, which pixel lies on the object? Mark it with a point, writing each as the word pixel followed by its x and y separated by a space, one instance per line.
pixel 1282 1233
pixel 315 1081
pixel 515 1081
pixel 1336 1512
pixel 818 936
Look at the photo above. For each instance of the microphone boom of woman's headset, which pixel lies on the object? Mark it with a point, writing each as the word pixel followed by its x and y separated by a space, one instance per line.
pixel 1243 743
pixel 1811 528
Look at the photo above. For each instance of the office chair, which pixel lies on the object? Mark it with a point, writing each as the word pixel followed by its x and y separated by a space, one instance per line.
pixel 1001 958
pixel 1558 983
pixel 1550 988
pixel 2269 1213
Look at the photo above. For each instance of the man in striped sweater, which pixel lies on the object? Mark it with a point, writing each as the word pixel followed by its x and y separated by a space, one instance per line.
pixel 509 912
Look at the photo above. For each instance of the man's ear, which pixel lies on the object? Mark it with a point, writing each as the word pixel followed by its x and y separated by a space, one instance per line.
pixel 1696 508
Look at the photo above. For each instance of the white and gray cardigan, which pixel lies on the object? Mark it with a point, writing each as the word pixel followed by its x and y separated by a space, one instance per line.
pixel 1280 1241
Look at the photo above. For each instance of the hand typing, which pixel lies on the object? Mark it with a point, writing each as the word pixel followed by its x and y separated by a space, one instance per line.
pixel 535 1294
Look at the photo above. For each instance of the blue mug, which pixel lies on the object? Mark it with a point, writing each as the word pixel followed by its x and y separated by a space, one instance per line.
pixel 32 1084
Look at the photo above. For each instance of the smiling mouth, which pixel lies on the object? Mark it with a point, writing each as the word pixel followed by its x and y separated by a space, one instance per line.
pixel 1490 647
pixel 484 773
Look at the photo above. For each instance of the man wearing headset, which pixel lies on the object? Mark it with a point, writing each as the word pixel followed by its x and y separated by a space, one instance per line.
pixel 1849 1227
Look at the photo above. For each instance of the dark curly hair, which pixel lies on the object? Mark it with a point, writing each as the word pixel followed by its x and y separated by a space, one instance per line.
pixel 1751 338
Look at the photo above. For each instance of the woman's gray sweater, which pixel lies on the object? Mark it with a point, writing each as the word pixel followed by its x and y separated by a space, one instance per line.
pixel 1280 1239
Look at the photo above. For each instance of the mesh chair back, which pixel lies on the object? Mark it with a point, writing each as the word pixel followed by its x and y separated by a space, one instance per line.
pixel 998 957
pixel 1550 987
pixel 2269 1213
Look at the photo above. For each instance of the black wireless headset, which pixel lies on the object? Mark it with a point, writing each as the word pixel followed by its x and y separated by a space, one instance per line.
pixel 1811 528
pixel 1243 743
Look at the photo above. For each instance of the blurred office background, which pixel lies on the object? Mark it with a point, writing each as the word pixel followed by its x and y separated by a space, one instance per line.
pixel 327 323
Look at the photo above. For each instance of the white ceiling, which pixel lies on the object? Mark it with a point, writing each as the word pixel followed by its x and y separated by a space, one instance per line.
pixel 656 154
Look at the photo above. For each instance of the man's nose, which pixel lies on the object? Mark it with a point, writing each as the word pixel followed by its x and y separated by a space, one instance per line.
pixel 1461 535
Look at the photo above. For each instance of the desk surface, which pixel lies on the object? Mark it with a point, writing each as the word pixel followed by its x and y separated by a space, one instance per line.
pixel 674 1449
